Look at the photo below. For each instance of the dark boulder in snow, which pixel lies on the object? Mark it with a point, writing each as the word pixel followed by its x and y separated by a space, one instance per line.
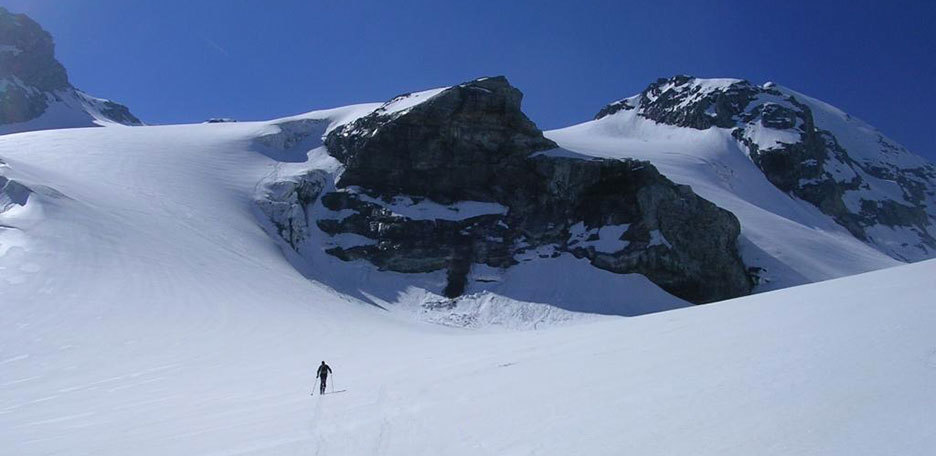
pixel 449 178
pixel 12 193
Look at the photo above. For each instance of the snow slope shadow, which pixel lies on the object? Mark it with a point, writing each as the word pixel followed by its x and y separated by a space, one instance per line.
pixel 293 140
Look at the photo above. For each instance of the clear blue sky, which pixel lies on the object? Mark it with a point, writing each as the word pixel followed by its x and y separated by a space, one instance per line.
pixel 185 61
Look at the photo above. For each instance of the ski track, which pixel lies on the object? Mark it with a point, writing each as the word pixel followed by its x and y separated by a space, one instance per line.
pixel 161 319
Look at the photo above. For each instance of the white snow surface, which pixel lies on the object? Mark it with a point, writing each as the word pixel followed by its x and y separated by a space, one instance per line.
pixel 790 238
pixel 136 273
pixel 146 310
pixel 857 151
pixel 608 237
pixel 862 141
pixel 769 138
pixel 163 345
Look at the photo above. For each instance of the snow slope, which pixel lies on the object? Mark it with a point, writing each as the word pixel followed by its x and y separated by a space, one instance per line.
pixel 145 312
pixel 149 308
pixel 792 240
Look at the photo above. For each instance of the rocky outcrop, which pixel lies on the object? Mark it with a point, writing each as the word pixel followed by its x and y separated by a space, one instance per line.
pixel 450 178
pixel 31 79
pixel 12 193
pixel 806 158
pixel 27 52
pixel 452 147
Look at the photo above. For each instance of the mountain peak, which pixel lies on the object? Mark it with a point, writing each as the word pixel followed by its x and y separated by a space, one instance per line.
pixel 35 93
pixel 873 187
pixel 27 52
pixel 688 101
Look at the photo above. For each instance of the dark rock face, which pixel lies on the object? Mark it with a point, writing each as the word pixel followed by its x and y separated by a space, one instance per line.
pixel 614 108
pixel 12 193
pixel 810 163
pixel 677 102
pixel 476 126
pixel 29 53
pixel 31 78
pixel 471 144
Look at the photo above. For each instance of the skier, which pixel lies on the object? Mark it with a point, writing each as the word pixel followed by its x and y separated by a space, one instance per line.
pixel 322 373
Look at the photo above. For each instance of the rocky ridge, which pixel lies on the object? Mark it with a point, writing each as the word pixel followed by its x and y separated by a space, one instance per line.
pixel 872 186
pixel 444 179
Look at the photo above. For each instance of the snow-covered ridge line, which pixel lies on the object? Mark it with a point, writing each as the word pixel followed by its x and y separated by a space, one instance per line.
pixel 405 102
pixel 880 192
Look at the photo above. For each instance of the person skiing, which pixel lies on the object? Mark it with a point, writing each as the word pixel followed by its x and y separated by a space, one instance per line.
pixel 322 373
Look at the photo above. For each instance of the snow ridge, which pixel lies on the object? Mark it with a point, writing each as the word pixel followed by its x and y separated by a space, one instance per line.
pixel 873 187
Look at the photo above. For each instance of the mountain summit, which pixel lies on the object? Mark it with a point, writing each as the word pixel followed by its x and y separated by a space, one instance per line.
pixel 868 183
pixel 35 93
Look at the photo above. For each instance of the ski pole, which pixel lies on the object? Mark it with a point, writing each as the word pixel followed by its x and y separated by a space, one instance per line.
pixel 333 383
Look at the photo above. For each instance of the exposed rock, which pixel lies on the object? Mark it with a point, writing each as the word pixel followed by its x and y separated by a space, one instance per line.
pixel 434 154
pixel 31 79
pixel 613 108
pixel 779 130
pixel 477 126
pixel 12 193
pixel 27 52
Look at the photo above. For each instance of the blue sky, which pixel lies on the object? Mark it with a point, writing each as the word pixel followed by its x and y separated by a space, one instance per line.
pixel 185 61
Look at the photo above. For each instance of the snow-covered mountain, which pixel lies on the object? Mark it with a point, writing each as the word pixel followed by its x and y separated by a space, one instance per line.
pixel 170 289
pixel 34 90
pixel 450 204
pixel 145 312
pixel 409 188
pixel 880 192
pixel 819 194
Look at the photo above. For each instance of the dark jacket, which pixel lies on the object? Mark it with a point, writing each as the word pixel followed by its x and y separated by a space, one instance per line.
pixel 323 371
